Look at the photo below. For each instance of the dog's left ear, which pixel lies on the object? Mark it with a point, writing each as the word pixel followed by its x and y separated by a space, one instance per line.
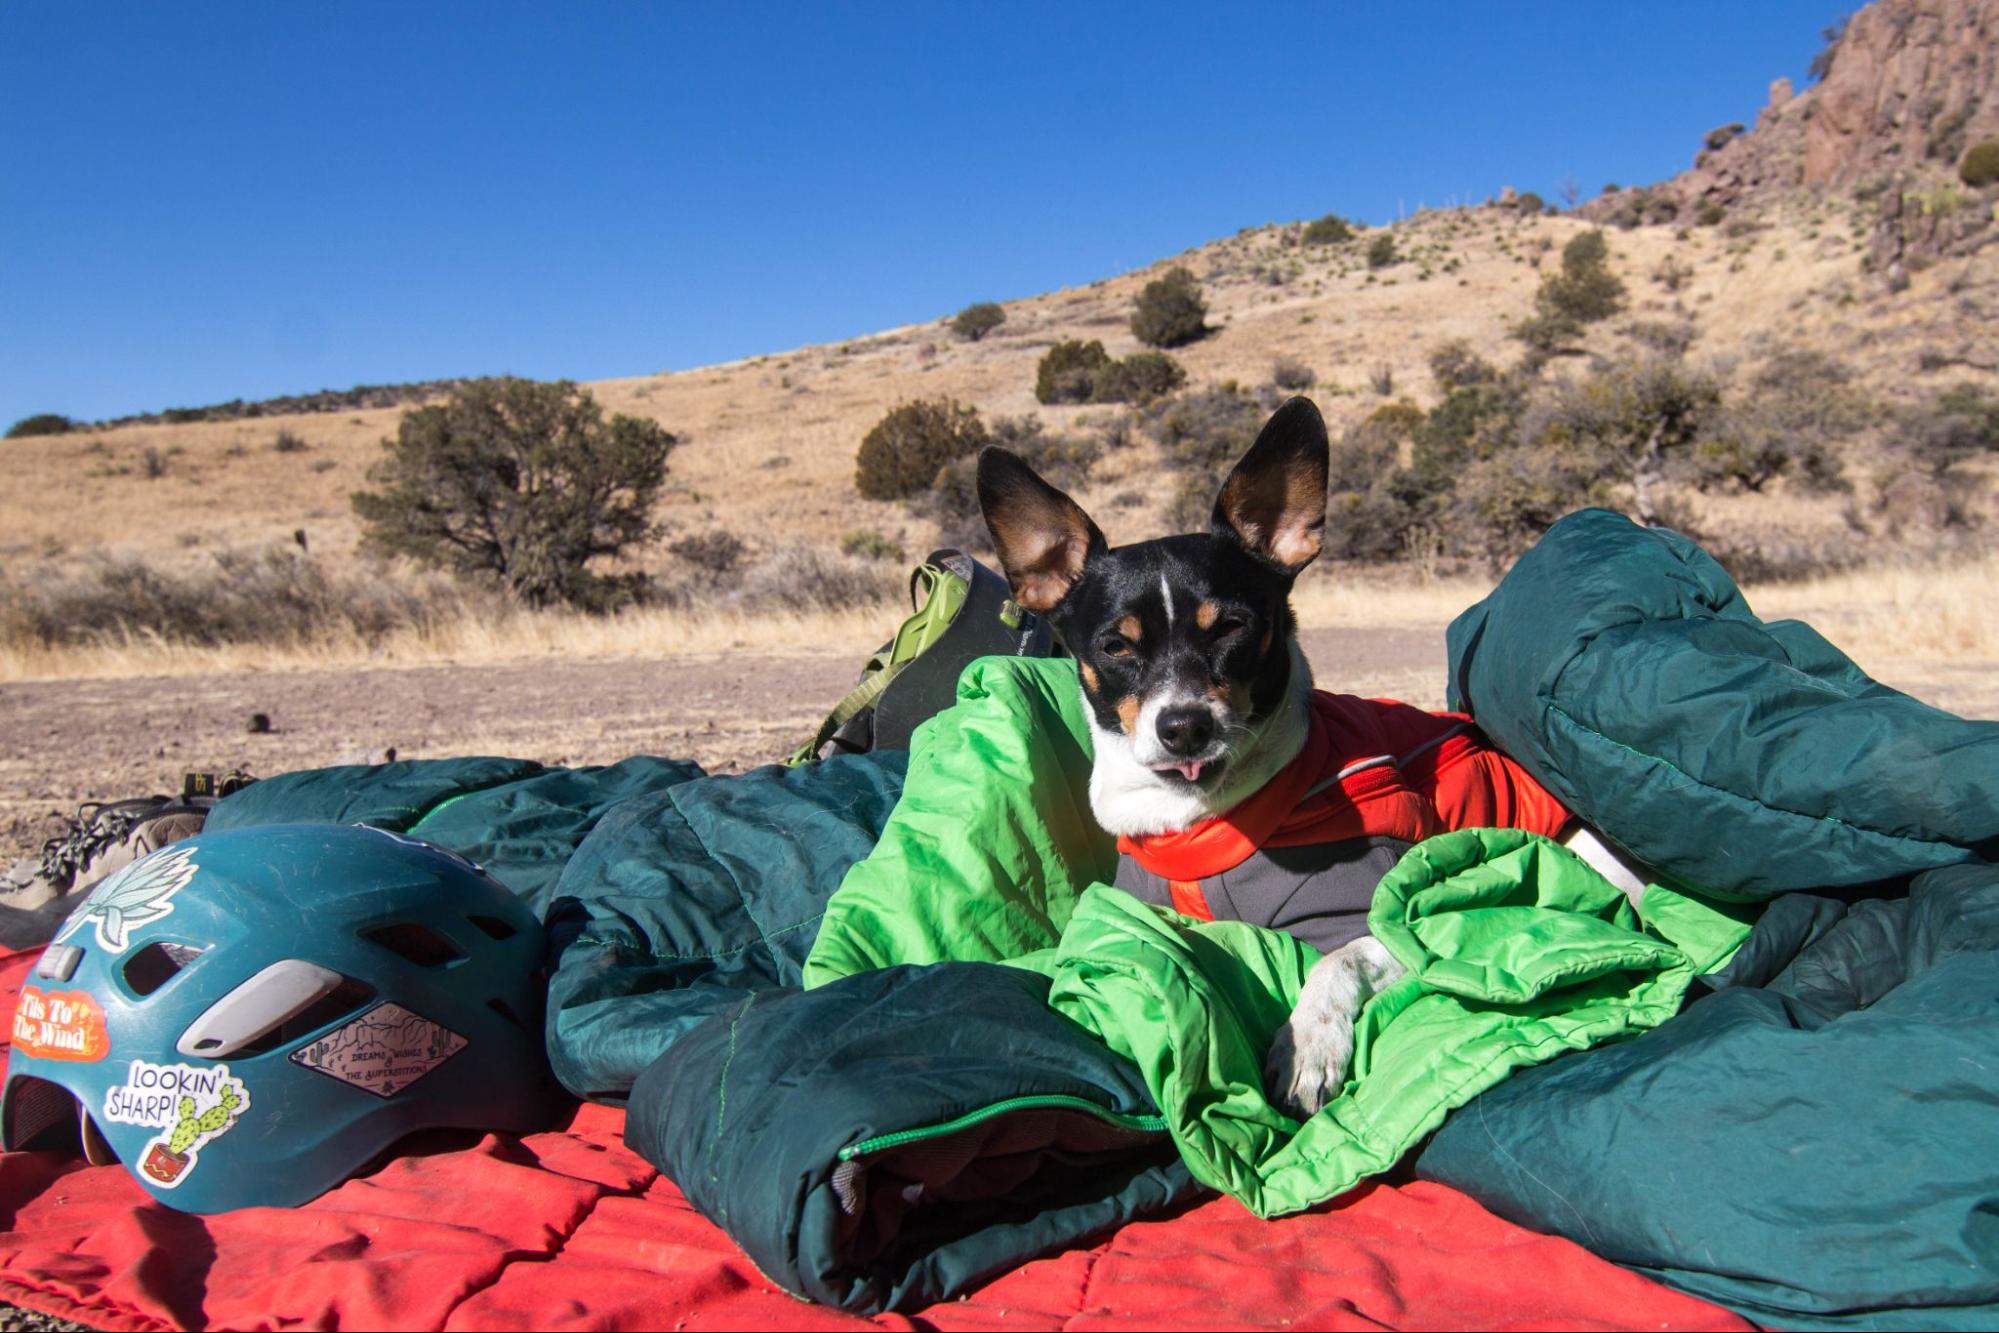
pixel 1274 503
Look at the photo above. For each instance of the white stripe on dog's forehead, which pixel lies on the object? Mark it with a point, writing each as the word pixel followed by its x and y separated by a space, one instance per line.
pixel 1166 596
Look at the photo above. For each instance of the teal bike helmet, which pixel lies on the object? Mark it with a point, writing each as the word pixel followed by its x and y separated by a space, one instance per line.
pixel 247 1018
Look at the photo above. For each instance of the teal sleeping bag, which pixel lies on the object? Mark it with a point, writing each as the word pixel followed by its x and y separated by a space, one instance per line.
pixel 1624 669
pixel 1815 1141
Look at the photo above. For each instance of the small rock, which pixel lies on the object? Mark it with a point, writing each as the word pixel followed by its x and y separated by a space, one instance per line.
pixel 260 724
pixel 389 755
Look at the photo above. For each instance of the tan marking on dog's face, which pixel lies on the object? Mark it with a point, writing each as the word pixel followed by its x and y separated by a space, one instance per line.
pixel 1090 680
pixel 1268 631
pixel 1131 629
pixel 1232 697
pixel 1127 714
pixel 1206 614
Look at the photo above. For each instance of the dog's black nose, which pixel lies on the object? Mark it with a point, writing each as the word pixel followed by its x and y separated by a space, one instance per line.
pixel 1186 731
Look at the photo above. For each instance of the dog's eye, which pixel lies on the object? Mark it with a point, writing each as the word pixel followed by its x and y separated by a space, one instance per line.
pixel 1228 625
pixel 1114 647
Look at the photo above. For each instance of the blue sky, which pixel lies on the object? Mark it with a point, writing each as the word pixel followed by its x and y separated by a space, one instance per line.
pixel 205 201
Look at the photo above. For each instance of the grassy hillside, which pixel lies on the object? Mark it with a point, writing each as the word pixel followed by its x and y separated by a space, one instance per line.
pixel 769 443
pixel 771 440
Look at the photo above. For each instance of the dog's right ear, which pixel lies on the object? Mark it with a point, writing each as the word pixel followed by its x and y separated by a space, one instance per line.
pixel 1043 537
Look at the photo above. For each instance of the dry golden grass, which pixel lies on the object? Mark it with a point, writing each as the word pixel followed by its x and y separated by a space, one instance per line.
pixel 1898 613
pixel 1943 612
pixel 477 641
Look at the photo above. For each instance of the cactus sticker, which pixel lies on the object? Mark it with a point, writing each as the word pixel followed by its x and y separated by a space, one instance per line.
pixel 191 1106
pixel 136 895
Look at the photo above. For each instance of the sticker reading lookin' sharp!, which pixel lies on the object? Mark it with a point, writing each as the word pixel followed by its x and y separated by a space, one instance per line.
pixel 191 1106
pixel 136 895
pixel 60 1025
pixel 383 1051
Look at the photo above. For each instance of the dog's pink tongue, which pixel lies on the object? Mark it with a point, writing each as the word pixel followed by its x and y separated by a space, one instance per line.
pixel 1191 772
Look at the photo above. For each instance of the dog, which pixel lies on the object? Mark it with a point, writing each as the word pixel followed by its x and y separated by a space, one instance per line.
pixel 1211 741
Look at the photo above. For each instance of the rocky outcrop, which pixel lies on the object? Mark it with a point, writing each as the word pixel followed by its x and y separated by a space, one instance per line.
pixel 1911 82
pixel 1909 86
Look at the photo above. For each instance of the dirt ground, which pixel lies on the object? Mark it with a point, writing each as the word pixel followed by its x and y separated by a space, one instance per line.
pixel 62 742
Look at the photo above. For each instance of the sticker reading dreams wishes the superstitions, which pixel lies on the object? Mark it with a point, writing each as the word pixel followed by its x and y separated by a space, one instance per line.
pixel 191 1107
pixel 60 1025
pixel 135 895
pixel 383 1051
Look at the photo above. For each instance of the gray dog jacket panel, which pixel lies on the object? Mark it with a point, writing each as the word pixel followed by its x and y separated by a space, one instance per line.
pixel 1319 894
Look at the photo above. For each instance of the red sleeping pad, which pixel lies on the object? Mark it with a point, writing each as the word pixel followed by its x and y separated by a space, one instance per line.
pixel 571 1229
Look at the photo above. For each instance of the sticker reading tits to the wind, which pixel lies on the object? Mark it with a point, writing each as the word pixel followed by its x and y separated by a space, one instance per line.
pixel 60 1025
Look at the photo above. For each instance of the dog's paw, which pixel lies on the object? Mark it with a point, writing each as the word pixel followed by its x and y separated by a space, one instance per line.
pixel 1307 1066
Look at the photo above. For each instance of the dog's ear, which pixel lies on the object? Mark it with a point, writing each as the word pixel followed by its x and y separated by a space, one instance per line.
pixel 1274 503
pixel 1043 537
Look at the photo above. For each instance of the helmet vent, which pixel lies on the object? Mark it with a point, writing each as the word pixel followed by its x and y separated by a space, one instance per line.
pixel 414 942
pixel 155 965
pixel 493 927
pixel 329 1008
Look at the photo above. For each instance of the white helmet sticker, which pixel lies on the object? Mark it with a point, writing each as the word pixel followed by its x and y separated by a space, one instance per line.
pixel 383 1051
pixel 134 896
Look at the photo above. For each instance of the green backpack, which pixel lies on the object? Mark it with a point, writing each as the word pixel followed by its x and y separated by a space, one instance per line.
pixel 962 611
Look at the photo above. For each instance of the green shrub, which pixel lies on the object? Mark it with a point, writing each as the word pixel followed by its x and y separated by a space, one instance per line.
pixel 1381 251
pixel 1083 372
pixel 1454 365
pixel 1170 311
pixel 42 423
pixel 522 481
pixel 1368 516
pixel 1980 167
pixel 1795 408
pixel 1721 138
pixel 1292 375
pixel 903 453
pixel 716 551
pixel 1068 372
pixel 1331 229
pixel 1547 333
pixel 975 321
pixel 288 443
pixel 1584 291
pixel 1955 427
pixel 953 497
pixel 1711 214
pixel 1400 419
pixel 1207 431
pixel 867 544
pixel 1527 204
pixel 1624 423
pixel 1138 378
